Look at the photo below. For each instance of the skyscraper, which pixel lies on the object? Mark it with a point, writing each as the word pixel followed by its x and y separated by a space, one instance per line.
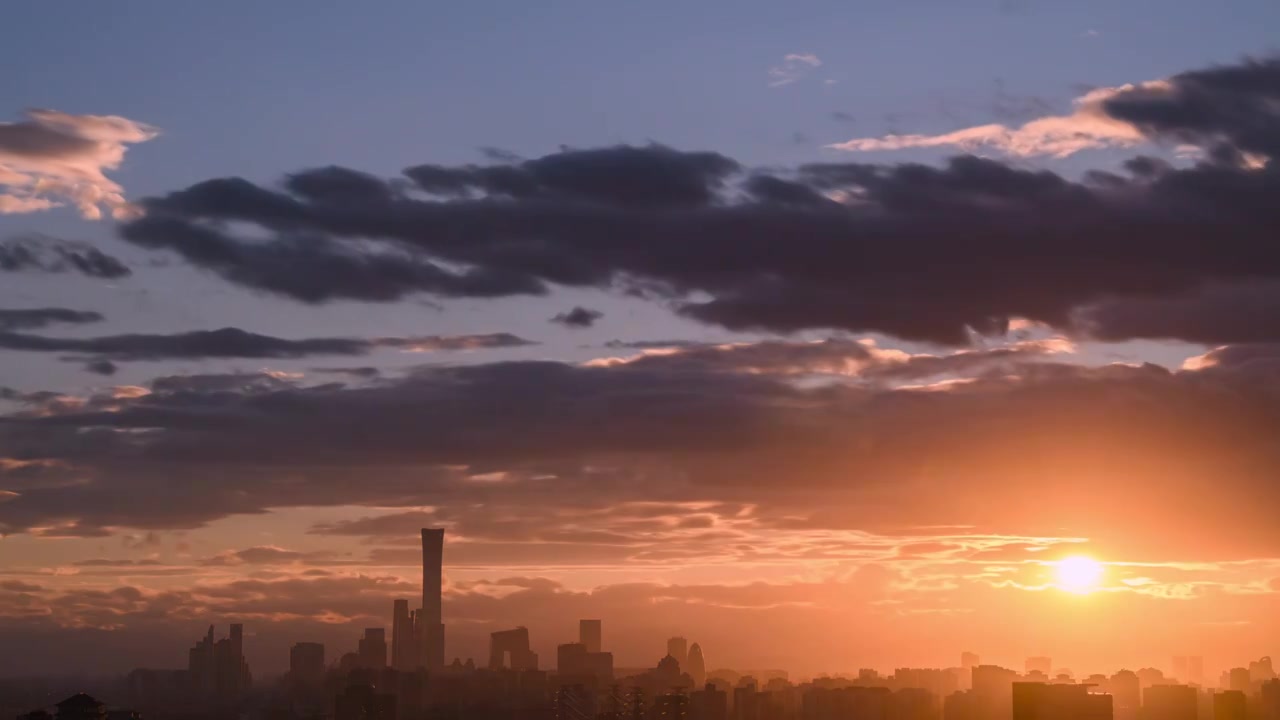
pixel 373 648
pixel 306 661
pixel 404 637
pixel 678 648
pixel 696 666
pixel 431 625
pixel 589 634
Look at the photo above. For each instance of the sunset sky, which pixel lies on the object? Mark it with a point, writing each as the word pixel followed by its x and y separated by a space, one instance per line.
pixel 817 332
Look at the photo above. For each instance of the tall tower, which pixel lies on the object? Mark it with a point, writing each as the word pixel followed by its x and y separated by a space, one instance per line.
pixel 678 648
pixel 432 622
pixel 589 634
pixel 697 666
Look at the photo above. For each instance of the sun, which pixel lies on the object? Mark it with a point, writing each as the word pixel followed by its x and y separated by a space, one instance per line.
pixel 1078 574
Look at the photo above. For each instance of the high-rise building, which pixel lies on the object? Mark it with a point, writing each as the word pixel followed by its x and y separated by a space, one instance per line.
pixel 218 668
pixel 1230 705
pixel 510 649
pixel 1126 689
pixel 306 661
pixel 1180 668
pixel 969 660
pixel 431 621
pixel 1236 679
pixel 696 666
pixel 709 703
pixel 1169 702
pixel 404 638
pixel 1269 697
pixel 1195 670
pixel 372 648
pixel 571 659
pixel 589 635
pixel 1044 701
pixel 678 648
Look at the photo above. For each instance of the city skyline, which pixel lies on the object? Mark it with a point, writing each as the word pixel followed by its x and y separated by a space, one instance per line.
pixel 818 336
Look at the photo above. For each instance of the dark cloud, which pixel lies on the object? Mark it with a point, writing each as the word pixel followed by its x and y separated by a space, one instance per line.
pixel 364 372
pixel 41 253
pixel 236 343
pixel 34 318
pixel 528 442
pixel 100 367
pixel 854 246
pixel 1228 109
pixel 578 317
pixel 1218 313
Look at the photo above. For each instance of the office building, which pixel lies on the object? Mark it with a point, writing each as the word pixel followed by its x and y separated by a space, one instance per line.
pixel 1169 702
pixel 589 634
pixel 404 637
pixel 306 661
pixel 217 667
pixel 678 648
pixel 696 666
pixel 510 649
pixel 372 649
pixel 1044 701
pixel 709 703
pixel 431 620
pixel 571 659
pixel 1230 705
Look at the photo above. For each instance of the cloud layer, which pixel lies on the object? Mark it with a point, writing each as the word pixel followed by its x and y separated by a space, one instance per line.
pixel 852 246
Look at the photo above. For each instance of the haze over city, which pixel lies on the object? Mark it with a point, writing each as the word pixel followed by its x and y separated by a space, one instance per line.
pixel 830 336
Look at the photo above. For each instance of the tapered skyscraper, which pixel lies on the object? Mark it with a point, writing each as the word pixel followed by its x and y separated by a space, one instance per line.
pixel 431 622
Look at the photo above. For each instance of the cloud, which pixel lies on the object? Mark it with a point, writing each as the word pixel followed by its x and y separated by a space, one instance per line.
pixel 1230 110
pixel 859 247
pixel 793 67
pixel 690 446
pixel 1088 127
pixel 101 367
pixel 261 555
pixel 34 318
pixel 50 159
pixel 41 253
pixel 237 343
pixel 578 317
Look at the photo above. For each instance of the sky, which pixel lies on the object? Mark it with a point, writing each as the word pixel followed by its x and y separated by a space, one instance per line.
pixel 817 332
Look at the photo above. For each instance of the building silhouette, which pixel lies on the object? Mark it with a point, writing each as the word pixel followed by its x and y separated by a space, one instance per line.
pixel 510 649
pixel 1045 701
pixel 404 637
pixel 678 648
pixel 696 666
pixel 372 648
pixel 306 661
pixel 709 703
pixel 1169 702
pixel 81 707
pixel 1230 705
pixel 217 667
pixel 430 620
pixel 589 634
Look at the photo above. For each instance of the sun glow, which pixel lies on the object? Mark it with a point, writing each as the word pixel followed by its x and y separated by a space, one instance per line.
pixel 1078 574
